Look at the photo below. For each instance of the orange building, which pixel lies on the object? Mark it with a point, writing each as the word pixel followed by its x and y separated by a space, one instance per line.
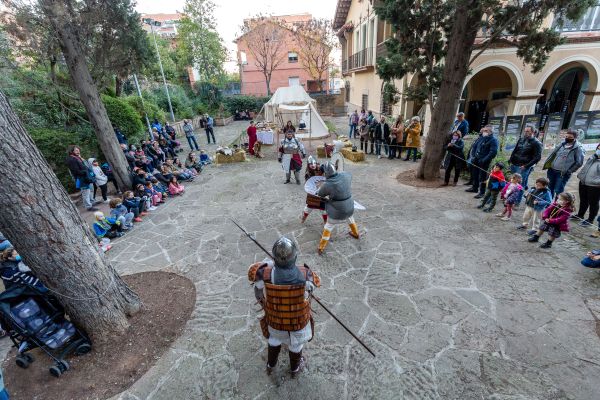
pixel 289 72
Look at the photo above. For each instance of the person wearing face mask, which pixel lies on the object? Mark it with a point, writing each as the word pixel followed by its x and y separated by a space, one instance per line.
pixel 527 153
pixel 454 157
pixel 15 273
pixel 589 188
pixel 563 161
pixel 487 149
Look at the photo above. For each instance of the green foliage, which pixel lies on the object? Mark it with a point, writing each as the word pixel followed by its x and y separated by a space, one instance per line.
pixel 53 146
pixel 209 94
pixel 124 116
pixel 182 104
pixel 151 108
pixel 239 103
pixel 152 69
pixel 331 127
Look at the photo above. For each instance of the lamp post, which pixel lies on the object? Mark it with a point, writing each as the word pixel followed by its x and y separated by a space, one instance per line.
pixel 153 23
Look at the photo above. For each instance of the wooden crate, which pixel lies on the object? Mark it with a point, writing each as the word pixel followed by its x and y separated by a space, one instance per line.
pixel 355 156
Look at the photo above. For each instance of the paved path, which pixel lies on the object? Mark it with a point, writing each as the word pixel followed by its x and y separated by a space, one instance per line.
pixel 456 304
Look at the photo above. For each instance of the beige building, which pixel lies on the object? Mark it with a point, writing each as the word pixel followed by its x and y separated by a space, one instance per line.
pixel 499 84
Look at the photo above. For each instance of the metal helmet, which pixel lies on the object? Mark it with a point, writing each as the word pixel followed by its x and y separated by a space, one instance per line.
pixel 312 162
pixel 285 252
pixel 329 169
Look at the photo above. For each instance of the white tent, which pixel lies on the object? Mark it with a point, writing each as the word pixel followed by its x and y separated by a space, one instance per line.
pixel 292 103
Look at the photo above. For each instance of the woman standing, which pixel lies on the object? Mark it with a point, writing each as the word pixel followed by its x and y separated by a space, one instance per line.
pixel 398 138
pixel 589 188
pixel 413 137
pixel 289 128
pixel 454 157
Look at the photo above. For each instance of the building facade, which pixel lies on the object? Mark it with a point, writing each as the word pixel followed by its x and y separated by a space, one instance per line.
pixel 499 83
pixel 289 72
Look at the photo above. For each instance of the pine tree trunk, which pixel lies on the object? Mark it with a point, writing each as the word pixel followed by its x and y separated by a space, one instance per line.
pixel 118 86
pixel 456 64
pixel 61 17
pixel 40 220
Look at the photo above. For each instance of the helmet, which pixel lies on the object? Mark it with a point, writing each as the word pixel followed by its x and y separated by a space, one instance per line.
pixel 329 169
pixel 285 252
pixel 312 162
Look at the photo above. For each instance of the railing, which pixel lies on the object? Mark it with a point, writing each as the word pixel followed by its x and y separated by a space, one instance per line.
pixel 362 59
pixel 381 50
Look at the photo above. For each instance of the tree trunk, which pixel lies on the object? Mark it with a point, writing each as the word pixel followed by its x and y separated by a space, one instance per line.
pixel 268 81
pixel 462 38
pixel 118 86
pixel 62 20
pixel 40 220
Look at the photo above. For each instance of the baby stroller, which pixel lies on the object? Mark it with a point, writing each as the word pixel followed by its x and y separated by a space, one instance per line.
pixel 35 319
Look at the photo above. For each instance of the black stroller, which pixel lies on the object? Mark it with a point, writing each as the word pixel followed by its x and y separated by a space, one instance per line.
pixel 35 319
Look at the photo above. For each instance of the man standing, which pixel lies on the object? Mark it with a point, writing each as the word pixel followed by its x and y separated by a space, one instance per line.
pixel 339 205
pixel 382 135
pixel 353 122
pixel 209 129
pixel 563 161
pixel 371 122
pixel 189 135
pixel 527 153
pixel 82 175
pixel 251 131
pixel 487 148
pixel 289 156
pixel 283 290
pixel 461 125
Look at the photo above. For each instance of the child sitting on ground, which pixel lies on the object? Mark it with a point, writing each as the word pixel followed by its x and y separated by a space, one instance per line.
pixel 159 187
pixel 119 212
pixel 511 194
pixel 140 191
pixel 494 184
pixel 536 200
pixel 175 188
pixel 134 205
pixel 205 158
pixel 556 219
pixel 155 195
pixel 106 227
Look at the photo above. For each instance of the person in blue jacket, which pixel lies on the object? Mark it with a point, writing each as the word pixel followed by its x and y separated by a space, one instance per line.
pixel 482 157
pixel 461 125
pixel 106 227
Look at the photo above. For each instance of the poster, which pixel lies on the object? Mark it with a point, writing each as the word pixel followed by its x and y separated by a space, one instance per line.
pixel 512 132
pixel 533 120
pixel 497 124
pixel 593 130
pixel 553 128
pixel 580 120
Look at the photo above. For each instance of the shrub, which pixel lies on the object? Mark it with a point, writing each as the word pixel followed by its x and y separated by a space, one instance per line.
pixel 124 116
pixel 53 146
pixel 182 105
pixel 239 103
pixel 151 108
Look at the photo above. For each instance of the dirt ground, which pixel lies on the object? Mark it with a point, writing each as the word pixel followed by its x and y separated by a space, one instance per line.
pixel 113 366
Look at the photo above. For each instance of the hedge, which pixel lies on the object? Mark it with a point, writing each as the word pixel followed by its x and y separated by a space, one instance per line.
pixel 240 103
pixel 124 116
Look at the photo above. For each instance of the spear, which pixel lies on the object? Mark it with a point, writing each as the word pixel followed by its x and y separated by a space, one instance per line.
pixel 312 295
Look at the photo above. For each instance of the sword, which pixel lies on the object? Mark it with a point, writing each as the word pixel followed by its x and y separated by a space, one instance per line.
pixel 311 295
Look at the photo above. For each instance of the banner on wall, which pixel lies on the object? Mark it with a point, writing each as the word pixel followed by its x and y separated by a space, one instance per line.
pixel 552 131
pixel 512 132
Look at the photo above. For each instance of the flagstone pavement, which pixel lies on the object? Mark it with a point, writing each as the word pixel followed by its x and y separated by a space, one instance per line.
pixel 454 303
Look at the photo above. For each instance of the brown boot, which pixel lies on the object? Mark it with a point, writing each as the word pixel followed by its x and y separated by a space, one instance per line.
pixel 354 231
pixel 272 356
pixel 297 363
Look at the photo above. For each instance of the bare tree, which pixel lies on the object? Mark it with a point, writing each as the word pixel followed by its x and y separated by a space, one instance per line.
pixel 40 220
pixel 315 40
pixel 264 37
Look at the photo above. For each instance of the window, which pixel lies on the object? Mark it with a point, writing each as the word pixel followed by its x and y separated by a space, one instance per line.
pixel 292 57
pixel 590 21
pixel 243 59
pixel 365 102
pixel 294 81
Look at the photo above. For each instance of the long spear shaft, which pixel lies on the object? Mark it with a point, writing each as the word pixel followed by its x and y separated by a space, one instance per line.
pixel 312 295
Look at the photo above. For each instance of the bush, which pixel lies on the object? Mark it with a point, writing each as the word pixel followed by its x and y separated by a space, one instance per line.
pixel 239 103
pixel 182 105
pixel 53 146
pixel 125 117
pixel 151 108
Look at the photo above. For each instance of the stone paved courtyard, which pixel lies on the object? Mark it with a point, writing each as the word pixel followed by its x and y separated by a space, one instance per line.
pixel 455 304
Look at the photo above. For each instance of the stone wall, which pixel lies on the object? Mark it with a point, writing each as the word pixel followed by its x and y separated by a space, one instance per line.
pixel 331 104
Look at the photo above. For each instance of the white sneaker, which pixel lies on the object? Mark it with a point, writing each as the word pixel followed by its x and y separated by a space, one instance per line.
pixel 378 157
pixel 152 208
pixel 505 219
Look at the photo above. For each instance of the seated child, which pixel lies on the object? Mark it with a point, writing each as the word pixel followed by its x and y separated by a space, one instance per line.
pixel 14 272
pixel 536 200
pixel 591 259
pixel 106 227
pixel 175 188
pixel 511 194
pixel 153 194
pixel 119 212
pixel 134 205
pixel 140 191
pixel 494 184
pixel 159 187
pixel 556 220
pixel 205 158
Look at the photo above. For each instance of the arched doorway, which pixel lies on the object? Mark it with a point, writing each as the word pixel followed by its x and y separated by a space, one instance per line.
pixel 415 106
pixel 487 94
pixel 563 91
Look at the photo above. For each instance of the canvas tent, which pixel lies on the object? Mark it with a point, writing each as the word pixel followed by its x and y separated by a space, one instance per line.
pixel 292 103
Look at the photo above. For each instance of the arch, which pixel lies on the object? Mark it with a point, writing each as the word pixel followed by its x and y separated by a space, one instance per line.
pixel 589 63
pixel 515 74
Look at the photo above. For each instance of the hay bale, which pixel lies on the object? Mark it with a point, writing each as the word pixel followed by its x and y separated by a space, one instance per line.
pixel 239 156
pixel 355 156
pixel 321 151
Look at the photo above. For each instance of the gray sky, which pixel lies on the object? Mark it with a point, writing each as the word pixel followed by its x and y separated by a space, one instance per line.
pixel 230 13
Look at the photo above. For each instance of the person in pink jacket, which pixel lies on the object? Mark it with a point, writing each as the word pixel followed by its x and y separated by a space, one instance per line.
pixel 175 188
pixel 556 219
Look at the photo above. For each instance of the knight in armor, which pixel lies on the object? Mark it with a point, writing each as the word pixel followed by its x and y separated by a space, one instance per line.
pixel 313 168
pixel 290 153
pixel 337 190
pixel 283 289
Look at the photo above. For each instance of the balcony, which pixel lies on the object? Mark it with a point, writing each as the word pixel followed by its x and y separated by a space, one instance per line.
pixel 357 61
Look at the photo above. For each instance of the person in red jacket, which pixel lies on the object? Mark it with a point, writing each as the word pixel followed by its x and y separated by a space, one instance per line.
pixel 494 185
pixel 251 131
pixel 556 219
